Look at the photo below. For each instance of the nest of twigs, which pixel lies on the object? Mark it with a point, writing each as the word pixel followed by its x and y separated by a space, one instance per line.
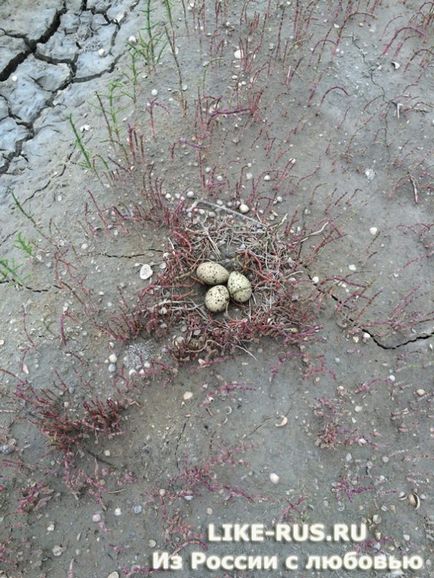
pixel 283 305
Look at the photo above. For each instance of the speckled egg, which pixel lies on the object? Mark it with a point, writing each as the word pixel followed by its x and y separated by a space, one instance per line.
pixel 217 299
pixel 212 273
pixel 240 288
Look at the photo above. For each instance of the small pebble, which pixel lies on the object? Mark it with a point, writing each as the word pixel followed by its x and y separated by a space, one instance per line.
pixel 154 92
pixel 113 575
pixel 352 267
pixel 101 51
pixel 113 358
pixel 274 478
pixel 267 178
pixel 244 208
pixel 190 195
pixel 96 518
pixel 58 551
pixel 315 280
pixel 50 527
pixel 118 512
pixel 238 54
pixel 420 392
pixel 137 509
pixel 373 230
pixel 152 543
pixel 145 272
pixel 370 174
pixel 112 368
pixel 187 395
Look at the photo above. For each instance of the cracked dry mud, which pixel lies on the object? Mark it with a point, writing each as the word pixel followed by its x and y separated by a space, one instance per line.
pixel 46 48
pixel 335 111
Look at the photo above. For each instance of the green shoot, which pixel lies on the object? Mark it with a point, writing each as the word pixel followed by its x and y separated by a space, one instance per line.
pixel 23 245
pixel 168 7
pixel 80 144
pixel 27 215
pixel 9 272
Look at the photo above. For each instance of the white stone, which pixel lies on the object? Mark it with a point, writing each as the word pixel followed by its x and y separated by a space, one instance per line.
pixel 244 208
pixel 187 395
pixel 113 358
pixel 274 478
pixel 145 272
pixel 370 174
pixel 373 231
pixel 58 551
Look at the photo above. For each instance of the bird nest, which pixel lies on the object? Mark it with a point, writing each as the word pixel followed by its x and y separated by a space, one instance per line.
pixel 284 303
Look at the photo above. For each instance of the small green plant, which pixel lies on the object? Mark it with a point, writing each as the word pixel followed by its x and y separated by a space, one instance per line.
pixel 81 146
pixel 9 272
pixel 151 48
pixel 168 7
pixel 132 78
pixel 110 108
pixel 23 245
pixel 26 214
